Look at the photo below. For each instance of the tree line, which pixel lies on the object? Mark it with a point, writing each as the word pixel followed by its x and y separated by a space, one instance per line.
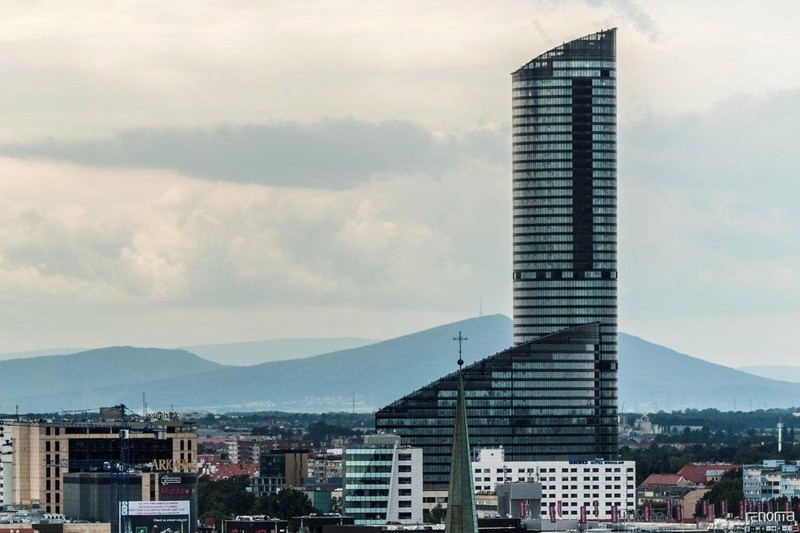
pixel 226 499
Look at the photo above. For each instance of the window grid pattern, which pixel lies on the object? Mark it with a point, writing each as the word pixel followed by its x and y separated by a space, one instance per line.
pixel 541 400
pixel 564 186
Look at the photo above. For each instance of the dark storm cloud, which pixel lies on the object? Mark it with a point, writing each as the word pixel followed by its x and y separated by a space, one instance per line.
pixel 329 154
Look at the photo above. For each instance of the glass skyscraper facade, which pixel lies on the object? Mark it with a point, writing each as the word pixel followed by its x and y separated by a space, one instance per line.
pixel 565 195
pixel 552 396
pixel 565 183
pixel 539 400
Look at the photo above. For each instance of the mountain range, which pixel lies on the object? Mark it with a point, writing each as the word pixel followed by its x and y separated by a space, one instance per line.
pixel 779 372
pixel 256 352
pixel 361 377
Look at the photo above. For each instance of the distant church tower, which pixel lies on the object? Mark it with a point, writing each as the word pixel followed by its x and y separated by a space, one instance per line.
pixel 461 514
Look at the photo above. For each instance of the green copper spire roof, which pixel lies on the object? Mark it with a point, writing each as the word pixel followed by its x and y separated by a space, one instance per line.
pixel 461 515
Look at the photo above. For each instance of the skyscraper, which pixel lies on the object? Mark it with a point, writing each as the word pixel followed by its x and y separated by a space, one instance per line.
pixel 553 396
pixel 565 187
pixel 538 400
pixel 564 144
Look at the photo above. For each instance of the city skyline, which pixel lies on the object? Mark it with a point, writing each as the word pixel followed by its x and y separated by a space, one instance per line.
pixel 136 208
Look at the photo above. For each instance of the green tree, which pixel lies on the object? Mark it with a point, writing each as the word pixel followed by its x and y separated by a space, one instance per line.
pixel 285 504
pixel 321 432
pixel 435 515
pixel 337 505
pixel 728 489
pixel 224 498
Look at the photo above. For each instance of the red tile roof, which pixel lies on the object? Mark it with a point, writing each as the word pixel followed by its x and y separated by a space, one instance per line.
pixel 664 479
pixel 699 473
pixel 224 470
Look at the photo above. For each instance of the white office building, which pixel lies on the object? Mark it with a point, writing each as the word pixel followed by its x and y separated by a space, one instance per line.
pixel 567 486
pixel 382 481
pixel 773 478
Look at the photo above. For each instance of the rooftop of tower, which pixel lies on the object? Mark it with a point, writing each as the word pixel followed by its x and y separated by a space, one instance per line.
pixel 600 45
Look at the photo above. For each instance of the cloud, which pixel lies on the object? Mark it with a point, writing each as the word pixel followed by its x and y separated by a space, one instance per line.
pixel 329 154
pixel 633 13
pixel 149 247
pixel 709 226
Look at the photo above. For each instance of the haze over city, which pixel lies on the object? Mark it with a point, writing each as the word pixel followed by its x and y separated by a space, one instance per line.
pixel 177 174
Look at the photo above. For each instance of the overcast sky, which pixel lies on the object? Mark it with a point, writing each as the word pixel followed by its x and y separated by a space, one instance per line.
pixel 177 173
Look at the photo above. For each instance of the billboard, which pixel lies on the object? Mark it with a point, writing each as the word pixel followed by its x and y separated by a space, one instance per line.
pixel 155 517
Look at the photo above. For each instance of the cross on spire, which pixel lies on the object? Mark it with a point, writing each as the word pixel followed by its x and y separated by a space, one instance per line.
pixel 460 339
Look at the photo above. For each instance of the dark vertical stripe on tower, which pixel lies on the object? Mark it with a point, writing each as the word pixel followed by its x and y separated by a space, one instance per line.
pixel 582 174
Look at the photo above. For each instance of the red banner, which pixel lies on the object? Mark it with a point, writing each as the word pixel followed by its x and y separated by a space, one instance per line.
pixel 668 510
pixel 583 514
pixel 614 514
pixel 552 512
pixel 596 505
pixel 741 510
pixel 723 509
pixel 558 508
pixel 711 508
pixel 646 514
pixel 679 513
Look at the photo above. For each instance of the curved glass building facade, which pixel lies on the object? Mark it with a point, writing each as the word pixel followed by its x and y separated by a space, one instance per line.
pixel 537 400
pixel 565 195
pixel 553 395
pixel 565 199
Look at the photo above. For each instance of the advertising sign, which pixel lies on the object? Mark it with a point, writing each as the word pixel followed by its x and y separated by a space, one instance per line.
pixel 769 522
pixel 155 517
pixel 176 486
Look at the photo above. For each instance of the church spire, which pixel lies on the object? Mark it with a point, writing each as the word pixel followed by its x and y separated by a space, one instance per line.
pixel 461 515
